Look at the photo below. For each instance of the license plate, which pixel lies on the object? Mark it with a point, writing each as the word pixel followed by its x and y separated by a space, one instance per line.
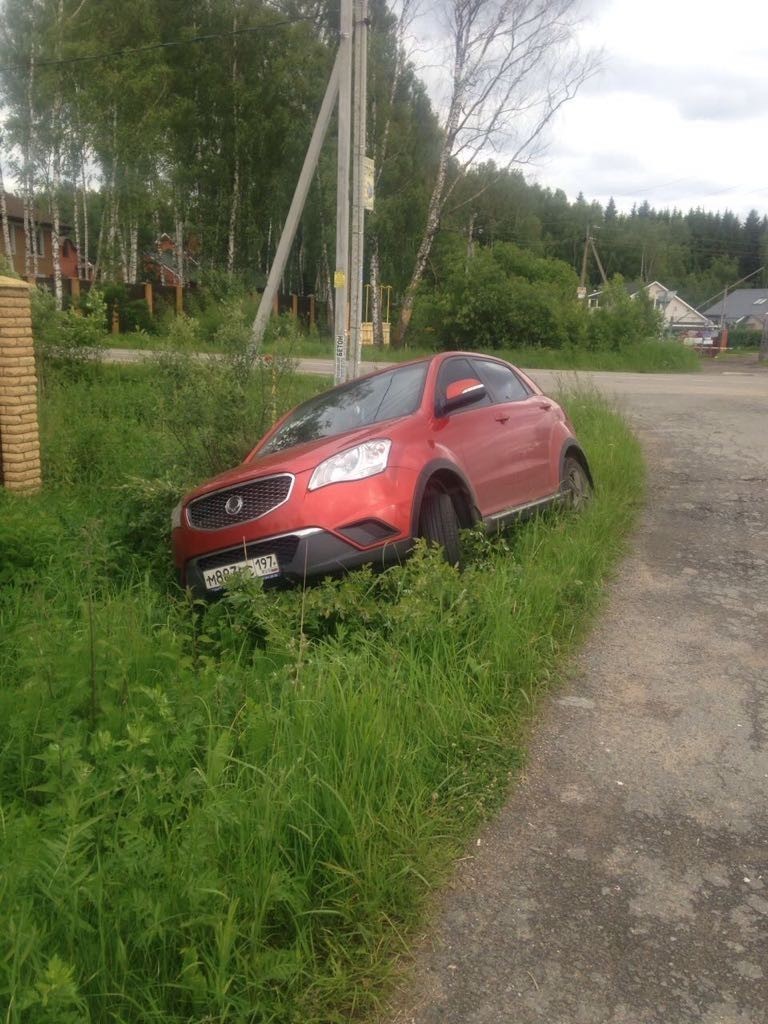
pixel 262 565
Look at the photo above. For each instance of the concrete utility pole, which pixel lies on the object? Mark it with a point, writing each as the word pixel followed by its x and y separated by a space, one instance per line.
pixel 341 276
pixel 296 208
pixel 359 131
pixel 347 280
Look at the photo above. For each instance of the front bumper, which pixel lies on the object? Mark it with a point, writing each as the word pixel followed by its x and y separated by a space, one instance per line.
pixel 302 554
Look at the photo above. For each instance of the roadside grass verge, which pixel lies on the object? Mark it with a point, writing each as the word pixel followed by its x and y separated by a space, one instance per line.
pixel 648 357
pixel 236 812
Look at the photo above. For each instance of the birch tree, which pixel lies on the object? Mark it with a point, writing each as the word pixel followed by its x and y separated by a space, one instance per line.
pixel 4 226
pixel 512 65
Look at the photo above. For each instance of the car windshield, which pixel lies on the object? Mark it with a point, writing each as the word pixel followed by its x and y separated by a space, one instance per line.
pixel 357 404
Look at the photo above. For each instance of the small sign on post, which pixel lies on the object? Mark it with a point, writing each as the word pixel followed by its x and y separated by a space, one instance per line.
pixel 369 182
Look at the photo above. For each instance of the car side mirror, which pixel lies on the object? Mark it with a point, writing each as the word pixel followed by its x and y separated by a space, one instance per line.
pixel 462 393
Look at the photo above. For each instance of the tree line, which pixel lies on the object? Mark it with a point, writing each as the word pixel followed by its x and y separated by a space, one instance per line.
pixel 191 117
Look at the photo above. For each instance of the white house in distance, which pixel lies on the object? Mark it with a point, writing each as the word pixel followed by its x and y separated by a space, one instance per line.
pixel 680 318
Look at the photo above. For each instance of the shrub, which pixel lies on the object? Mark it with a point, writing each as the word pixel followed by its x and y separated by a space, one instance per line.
pixel 6 267
pixel 502 297
pixel 744 337
pixel 143 526
pixel 44 316
pixel 622 321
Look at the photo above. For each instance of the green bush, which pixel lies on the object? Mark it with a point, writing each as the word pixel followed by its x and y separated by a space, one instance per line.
pixel 218 297
pixel 744 337
pixel 45 319
pixel 502 297
pixel 81 335
pixel 621 321
pixel 6 267
pixel 135 316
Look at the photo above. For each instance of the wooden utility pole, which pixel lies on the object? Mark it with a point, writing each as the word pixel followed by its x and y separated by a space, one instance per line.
pixel 589 243
pixel 597 260
pixel 583 275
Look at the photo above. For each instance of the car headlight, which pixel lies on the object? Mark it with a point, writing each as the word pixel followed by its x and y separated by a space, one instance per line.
pixel 355 464
pixel 176 516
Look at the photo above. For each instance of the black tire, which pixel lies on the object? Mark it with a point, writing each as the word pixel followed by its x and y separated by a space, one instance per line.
pixel 439 524
pixel 574 485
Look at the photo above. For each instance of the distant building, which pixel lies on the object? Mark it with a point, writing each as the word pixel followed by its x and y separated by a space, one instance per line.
pixel 744 307
pixel 44 229
pixel 679 317
pixel 161 264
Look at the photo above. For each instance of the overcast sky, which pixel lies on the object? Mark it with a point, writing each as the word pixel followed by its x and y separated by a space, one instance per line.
pixel 679 116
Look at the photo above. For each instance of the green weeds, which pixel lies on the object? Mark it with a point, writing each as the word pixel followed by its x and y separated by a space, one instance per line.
pixel 236 812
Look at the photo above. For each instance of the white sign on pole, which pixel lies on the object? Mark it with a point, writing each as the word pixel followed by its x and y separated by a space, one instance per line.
pixel 368 183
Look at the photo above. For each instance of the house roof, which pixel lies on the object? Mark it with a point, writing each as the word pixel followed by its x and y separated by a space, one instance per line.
pixel 741 303
pixel 15 207
pixel 635 287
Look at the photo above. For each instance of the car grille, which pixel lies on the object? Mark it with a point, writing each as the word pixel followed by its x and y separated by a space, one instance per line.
pixel 247 501
pixel 284 549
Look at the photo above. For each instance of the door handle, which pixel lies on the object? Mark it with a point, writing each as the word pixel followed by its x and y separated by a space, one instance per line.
pixel 502 419
pixel 544 405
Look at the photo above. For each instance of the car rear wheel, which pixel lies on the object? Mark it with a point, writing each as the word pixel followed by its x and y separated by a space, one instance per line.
pixel 575 486
pixel 439 524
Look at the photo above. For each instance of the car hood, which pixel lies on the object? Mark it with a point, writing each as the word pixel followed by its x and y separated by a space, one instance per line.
pixel 300 458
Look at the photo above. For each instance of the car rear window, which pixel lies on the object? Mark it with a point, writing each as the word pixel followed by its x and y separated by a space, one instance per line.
pixel 360 403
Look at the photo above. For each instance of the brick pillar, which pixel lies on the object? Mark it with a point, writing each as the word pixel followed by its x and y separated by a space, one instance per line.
pixel 19 435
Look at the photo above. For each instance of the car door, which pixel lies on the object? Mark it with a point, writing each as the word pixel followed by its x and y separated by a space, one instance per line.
pixel 470 434
pixel 523 446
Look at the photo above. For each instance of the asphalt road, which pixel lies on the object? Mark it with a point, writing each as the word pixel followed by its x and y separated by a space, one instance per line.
pixel 626 880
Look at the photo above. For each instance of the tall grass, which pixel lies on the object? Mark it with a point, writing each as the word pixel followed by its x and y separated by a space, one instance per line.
pixel 235 813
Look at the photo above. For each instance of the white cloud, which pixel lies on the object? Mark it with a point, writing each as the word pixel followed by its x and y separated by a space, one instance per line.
pixel 680 114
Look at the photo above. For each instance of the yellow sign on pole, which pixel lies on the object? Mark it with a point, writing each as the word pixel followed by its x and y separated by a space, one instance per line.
pixel 339 279
pixel 369 177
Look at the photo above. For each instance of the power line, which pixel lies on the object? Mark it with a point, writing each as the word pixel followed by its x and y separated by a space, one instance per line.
pixel 121 54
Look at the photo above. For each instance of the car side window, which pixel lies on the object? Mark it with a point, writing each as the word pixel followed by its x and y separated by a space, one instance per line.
pixel 502 381
pixel 453 370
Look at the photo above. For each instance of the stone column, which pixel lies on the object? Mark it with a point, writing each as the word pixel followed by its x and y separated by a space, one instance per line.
pixel 19 434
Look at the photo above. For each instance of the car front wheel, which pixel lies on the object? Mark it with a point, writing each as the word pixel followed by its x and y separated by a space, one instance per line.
pixel 439 524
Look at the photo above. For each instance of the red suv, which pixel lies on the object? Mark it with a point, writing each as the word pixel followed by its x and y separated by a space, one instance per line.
pixel 352 476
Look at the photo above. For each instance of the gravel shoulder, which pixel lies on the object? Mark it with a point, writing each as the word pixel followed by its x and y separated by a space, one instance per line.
pixel 626 880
